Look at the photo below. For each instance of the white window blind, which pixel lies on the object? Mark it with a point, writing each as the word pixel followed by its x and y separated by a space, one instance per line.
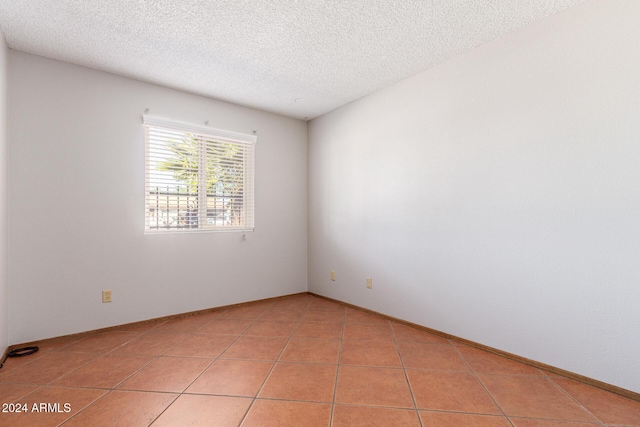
pixel 197 178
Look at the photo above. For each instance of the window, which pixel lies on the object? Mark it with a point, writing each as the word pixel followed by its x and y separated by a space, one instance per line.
pixel 197 178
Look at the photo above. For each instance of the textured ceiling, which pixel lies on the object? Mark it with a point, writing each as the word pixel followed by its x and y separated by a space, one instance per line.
pixel 299 58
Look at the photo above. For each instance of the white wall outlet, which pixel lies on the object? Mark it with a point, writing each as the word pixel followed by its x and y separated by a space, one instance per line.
pixel 369 283
pixel 333 276
pixel 106 295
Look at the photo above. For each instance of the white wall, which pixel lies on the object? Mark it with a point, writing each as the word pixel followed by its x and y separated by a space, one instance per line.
pixel 496 197
pixel 76 206
pixel 4 304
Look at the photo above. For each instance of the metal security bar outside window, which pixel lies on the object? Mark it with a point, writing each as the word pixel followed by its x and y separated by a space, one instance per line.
pixel 197 178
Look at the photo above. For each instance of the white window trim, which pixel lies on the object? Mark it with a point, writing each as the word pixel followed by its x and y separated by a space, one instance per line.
pixel 208 133
pixel 240 138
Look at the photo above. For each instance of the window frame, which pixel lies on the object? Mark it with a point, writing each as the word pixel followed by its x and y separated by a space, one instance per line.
pixel 207 138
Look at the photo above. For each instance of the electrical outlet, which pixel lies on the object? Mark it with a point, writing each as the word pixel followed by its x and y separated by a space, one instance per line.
pixel 106 296
pixel 369 283
pixel 333 276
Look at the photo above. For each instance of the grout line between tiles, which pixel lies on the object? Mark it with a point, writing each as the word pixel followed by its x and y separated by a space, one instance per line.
pixel 226 348
pixel 156 357
pixel 207 367
pixel 274 362
pixel 338 364
pixel 107 394
pixel 406 376
pixel 481 383
pixel 85 407
pixel 566 393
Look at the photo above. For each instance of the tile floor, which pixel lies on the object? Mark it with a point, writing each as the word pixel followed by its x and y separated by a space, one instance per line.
pixel 296 361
